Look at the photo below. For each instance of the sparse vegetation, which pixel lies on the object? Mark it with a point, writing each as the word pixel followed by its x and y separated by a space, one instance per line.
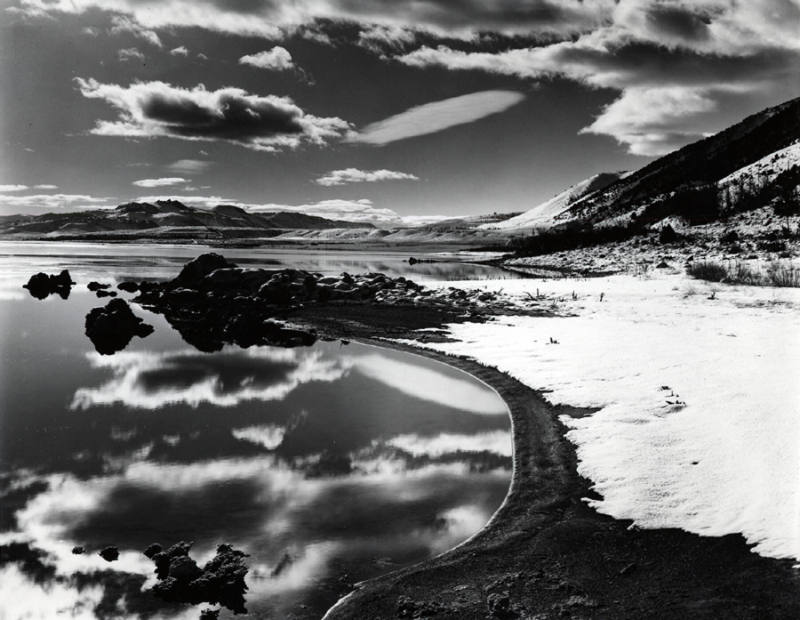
pixel 778 273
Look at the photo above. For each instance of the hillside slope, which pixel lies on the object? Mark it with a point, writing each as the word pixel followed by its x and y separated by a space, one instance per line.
pixel 698 166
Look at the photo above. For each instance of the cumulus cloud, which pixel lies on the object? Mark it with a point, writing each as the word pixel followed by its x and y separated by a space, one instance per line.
pixel 276 59
pixel 437 116
pixel 158 109
pixel 160 182
pixel 130 53
pixel 179 51
pixel 674 64
pixel 354 175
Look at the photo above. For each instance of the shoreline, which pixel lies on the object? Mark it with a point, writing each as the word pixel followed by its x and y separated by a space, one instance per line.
pixel 545 554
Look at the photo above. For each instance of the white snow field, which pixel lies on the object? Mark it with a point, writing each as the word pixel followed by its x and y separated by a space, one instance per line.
pixel 697 387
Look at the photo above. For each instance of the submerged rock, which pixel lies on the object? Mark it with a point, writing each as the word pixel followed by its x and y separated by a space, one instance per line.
pixel 42 285
pixel 220 581
pixel 111 328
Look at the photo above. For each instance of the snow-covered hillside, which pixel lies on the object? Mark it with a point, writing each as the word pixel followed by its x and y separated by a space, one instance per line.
pixel 546 214
pixel 760 172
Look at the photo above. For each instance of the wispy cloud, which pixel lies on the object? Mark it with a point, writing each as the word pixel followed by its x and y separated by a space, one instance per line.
pixel 438 116
pixel 190 166
pixel 675 66
pixel 179 51
pixel 130 53
pixel 15 203
pixel 160 182
pixel 158 109
pixel 354 175
pixel 13 188
pixel 276 59
pixel 131 25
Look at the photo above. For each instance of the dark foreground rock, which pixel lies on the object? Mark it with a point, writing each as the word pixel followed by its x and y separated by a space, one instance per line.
pixel 111 328
pixel 109 554
pixel 219 582
pixel 42 285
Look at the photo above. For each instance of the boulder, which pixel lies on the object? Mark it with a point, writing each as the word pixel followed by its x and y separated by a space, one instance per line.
pixel 97 286
pixel 195 270
pixel 109 554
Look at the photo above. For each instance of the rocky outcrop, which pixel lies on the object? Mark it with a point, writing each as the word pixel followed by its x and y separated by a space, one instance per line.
pixel 219 582
pixel 213 302
pixel 42 285
pixel 111 328
pixel 109 554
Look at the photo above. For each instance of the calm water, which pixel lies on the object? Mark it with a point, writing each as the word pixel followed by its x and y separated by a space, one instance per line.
pixel 328 464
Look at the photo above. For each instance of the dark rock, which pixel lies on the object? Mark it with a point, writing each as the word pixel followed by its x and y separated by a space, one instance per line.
pixel 209 614
pixel 128 286
pixel 109 554
pixel 499 606
pixel 102 293
pixel 667 234
pixel 111 328
pixel 42 285
pixel 195 270
pixel 78 550
pixel 330 464
pixel 412 260
pixel 662 265
pixel 152 550
pixel 97 286
pixel 221 581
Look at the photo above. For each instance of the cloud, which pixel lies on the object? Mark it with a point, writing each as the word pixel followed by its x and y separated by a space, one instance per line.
pixel 190 166
pixel 276 59
pixel 150 381
pixel 438 116
pixel 271 19
pixel 13 188
pixel 45 186
pixel 160 182
pixel 121 23
pixel 179 51
pixel 269 436
pixel 497 442
pixel 51 202
pixel 158 109
pixel 130 53
pixel 354 175
pixel 675 64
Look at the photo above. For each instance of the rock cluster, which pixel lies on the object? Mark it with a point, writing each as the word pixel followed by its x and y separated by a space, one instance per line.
pixel 111 328
pixel 41 285
pixel 181 580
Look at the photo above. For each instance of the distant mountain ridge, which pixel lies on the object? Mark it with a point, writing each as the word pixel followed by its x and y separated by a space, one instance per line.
pixel 166 218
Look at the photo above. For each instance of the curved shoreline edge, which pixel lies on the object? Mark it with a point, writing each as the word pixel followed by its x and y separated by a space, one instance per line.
pixel 545 554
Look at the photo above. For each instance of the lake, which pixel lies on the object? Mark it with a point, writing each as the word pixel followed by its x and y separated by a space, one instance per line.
pixel 327 464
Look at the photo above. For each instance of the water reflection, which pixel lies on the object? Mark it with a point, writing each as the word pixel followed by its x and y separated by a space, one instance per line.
pixel 327 464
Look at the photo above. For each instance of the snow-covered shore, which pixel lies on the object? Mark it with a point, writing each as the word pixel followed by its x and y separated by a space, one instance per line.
pixel 698 421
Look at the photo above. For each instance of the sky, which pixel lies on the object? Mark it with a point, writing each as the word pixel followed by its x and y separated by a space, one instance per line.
pixel 370 110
